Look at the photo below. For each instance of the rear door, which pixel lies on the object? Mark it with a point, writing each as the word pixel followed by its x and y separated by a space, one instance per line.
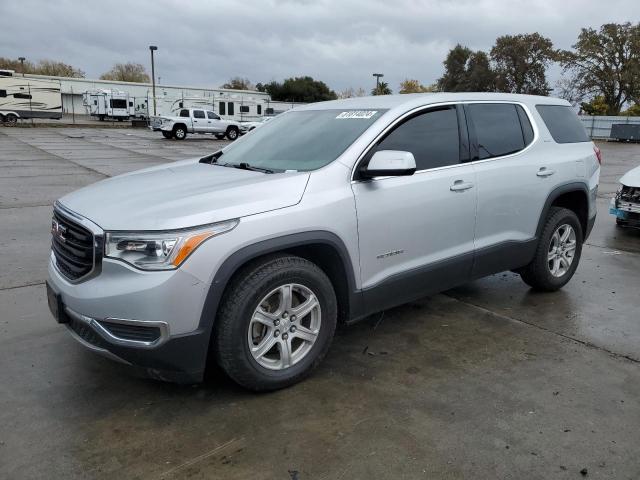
pixel 416 232
pixel 512 184
pixel 199 121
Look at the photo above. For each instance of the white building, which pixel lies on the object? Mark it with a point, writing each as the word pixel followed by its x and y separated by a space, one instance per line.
pixel 73 88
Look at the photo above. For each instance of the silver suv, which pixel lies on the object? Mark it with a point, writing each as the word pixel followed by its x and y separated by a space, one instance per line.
pixel 249 257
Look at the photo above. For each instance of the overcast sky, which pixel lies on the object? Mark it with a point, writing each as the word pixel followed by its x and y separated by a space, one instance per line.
pixel 204 43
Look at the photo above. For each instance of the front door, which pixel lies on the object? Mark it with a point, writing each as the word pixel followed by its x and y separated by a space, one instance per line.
pixel 416 233
pixel 215 124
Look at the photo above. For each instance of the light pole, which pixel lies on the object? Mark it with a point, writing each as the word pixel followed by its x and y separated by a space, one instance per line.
pixel 22 59
pixel 153 77
pixel 378 75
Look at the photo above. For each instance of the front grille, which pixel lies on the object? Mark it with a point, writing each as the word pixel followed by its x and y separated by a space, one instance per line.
pixel 72 246
pixel 630 194
pixel 136 333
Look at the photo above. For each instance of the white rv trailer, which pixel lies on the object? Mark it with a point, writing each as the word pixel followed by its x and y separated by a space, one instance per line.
pixel 108 104
pixel 22 97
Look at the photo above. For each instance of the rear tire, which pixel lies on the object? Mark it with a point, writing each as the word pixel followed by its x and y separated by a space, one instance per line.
pixel 232 133
pixel 558 252
pixel 11 119
pixel 258 340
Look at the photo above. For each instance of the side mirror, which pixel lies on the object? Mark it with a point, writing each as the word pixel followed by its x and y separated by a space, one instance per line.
pixel 387 163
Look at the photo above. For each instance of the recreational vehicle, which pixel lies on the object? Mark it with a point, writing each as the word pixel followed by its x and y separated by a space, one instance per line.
pixel 108 104
pixel 22 97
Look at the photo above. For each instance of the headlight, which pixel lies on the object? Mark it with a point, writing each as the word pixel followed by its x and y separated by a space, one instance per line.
pixel 160 250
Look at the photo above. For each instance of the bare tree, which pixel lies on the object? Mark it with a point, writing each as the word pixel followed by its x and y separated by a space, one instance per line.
pixel 43 67
pixel 127 72
pixel 351 92
pixel 238 83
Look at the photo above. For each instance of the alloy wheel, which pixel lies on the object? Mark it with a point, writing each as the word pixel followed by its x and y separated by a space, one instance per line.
pixel 284 326
pixel 562 249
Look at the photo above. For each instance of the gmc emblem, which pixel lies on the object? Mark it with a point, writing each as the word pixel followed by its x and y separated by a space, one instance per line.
pixel 58 230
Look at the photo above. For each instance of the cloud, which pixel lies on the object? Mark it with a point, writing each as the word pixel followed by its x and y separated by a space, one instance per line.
pixel 204 43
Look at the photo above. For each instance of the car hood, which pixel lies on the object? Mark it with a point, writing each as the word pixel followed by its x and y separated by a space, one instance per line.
pixel 183 194
pixel 631 178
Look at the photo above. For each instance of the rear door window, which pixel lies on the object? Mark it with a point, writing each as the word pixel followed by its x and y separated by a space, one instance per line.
pixel 198 114
pixel 432 137
pixel 498 129
pixel 563 124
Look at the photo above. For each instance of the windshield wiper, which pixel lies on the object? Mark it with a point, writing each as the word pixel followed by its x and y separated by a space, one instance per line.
pixel 246 166
pixel 212 158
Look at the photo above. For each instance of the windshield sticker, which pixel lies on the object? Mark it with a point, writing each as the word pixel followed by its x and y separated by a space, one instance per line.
pixel 364 114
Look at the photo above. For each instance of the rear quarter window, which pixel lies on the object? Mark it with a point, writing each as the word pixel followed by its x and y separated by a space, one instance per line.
pixel 563 124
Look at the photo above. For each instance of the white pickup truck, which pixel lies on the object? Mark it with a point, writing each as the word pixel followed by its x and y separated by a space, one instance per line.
pixel 195 120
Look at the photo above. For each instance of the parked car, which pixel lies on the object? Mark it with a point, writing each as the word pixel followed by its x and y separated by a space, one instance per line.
pixel 194 120
pixel 258 123
pixel 329 213
pixel 626 204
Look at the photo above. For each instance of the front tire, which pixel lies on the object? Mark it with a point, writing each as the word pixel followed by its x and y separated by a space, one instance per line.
pixel 276 323
pixel 180 133
pixel 11 119
pixel 167 134
pixel 558 252
pixel 219 136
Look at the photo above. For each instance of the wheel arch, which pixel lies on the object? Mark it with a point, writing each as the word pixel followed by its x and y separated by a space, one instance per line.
pixel 323 248
pixel 573 196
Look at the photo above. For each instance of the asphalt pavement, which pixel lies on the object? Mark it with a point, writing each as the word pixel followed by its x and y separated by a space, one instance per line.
pixel 489 380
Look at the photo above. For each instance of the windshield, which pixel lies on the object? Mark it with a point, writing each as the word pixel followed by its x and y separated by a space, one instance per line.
pixel 303 141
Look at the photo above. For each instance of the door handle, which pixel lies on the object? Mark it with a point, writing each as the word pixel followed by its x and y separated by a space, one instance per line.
pixel 544 172
pixel 460 186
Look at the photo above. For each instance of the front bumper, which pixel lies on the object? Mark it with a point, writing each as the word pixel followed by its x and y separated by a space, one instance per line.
pixel 626 213
pixel 146 319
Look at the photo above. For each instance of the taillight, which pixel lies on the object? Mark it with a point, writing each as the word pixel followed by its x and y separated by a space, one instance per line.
pixel 598 153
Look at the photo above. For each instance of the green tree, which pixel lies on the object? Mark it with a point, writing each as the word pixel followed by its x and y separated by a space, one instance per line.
pixel 521 62
pixel 606 62
pixel 381 89
pixel 43 67
pixel 597 106
pixel 127 72
pixel 238 83
pixel 298 89
pixel 466 71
